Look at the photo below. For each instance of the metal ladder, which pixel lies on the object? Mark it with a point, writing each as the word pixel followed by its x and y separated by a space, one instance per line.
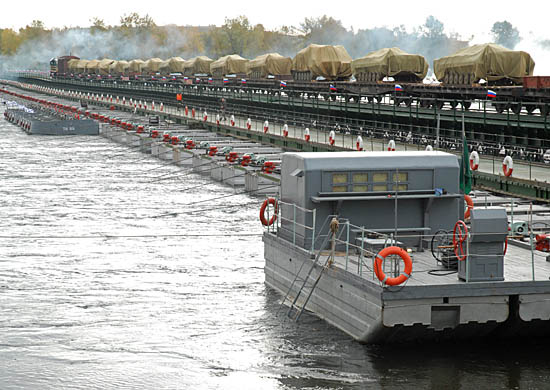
pixel 295 311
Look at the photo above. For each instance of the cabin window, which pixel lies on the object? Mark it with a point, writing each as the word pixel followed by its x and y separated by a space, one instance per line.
pixel 380 187
pixel 400 177
pixel 360 188
pixel 360 177
pixel 380 177
pixel 339 188
pixel 339 178
pixel 402 187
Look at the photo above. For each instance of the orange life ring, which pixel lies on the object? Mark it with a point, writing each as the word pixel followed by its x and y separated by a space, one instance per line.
pixel 381 256
pixel 470 204
pixel 263 219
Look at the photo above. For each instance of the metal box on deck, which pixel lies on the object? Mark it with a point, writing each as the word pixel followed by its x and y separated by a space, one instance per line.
pixel 488 231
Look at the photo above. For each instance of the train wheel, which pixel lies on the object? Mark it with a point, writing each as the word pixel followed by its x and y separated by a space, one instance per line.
pixel 516 108
pixel 408 101
pixel 499 107
pixel 530 109
pixel 378 99
pixel 466 105
pixel 453 104
pixel 397 101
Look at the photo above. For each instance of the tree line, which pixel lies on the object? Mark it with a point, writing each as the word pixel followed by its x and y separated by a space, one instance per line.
pixel 238 36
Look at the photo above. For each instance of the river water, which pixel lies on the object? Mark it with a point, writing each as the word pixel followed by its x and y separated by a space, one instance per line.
pixel 111 281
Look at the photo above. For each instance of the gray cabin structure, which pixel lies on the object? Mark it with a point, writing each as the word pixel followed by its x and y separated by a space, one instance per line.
pixel 397 192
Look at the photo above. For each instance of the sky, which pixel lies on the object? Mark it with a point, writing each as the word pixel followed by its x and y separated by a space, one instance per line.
pixel 465 17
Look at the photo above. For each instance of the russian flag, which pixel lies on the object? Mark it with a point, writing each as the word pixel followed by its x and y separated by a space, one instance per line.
pixel 491 93
pixel 332 88
pixel 198 80
pixel 243 81
pixel 225 81
pixel 283 83
pixel 186 78
pixel 398 88
pixel 210 80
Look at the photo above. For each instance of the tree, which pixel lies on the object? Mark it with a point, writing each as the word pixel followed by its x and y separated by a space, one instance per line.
pixel 323 30
pixel 10 41
pixel 133 20
pixel 97 25
pixel 505 34
pixel 237 32
pixel 433 27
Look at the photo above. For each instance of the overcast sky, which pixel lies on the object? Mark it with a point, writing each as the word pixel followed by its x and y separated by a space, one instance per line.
pixel 464 17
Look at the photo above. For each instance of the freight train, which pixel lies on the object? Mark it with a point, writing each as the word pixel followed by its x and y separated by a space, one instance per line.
pixel 479 72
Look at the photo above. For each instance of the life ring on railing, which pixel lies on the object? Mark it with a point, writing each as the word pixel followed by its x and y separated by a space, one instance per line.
pixel 306 134
pixel 248 124
pixel 507 166
pixel 391 146
pixel 470 206
pixel 217 119
pixel 381 256
pixel 263 219
pixel 232 121
pixel 474 161
pixel 266 126
pixel 359 143
pixel 462 230
pixel 285 130
pixel 331 138
pixel 186 111
pixel 192 112
pixel 205 116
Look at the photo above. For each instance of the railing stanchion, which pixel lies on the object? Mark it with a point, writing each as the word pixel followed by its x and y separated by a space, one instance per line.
pixel 361 254
pixel 347 243
pixel 294 224
pixel 314 217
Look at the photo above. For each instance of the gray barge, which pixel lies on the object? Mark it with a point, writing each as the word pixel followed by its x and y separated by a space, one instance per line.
pixel 42 121
pixel 338 211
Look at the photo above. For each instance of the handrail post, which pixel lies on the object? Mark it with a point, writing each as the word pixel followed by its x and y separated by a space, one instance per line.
pixel 347 244
pixel 294 224
pixel 532 254
pixel 467 257
pixel 314 217
pixel 361 254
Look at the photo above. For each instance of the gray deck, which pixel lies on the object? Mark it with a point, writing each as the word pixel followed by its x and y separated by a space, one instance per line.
pixel 517 268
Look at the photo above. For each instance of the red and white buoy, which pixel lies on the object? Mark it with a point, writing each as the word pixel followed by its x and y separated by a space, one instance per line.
pixel 248 124
pixel 331 138
pixel 232 121
pixel 285 130
pixel 217 119
pixel 507 166
pixel 205 116
pixel 391 146
pixel 306 134
pixel 359 143
pixel 474 161
pixel 266 126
